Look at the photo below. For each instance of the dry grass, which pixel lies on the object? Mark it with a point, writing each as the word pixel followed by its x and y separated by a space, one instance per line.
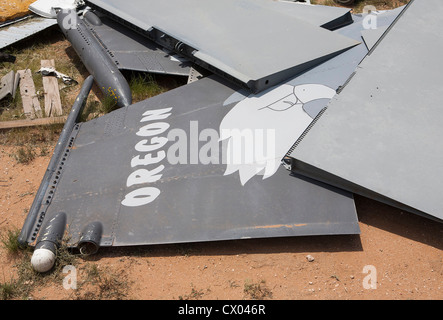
pixel 50 44
pixel 358 5
pixel 257 290
pixel 102 284
pixel 27 278
pixel 97 284
pixel 10 241
pixel 193 295
pixel 379 4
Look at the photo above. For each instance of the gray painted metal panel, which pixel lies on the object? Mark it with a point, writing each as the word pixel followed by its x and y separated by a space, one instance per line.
pixel 194 201
pixel 377 24
pixel 382 134
pixel 335 72
pixel 131 51
pixel 371 37
pixel 8 84
pixel 227 36
pixel 35 217
pixel 23 29
pixel 325 16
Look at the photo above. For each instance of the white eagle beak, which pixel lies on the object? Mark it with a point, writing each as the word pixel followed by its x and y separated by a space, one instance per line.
pixel 309 92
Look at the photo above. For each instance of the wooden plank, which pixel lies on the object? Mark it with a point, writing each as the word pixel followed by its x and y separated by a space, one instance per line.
pixel 31 105
pixel 53 105
pixel 31 123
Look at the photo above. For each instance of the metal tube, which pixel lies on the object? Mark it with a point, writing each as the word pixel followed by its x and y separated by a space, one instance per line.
pixel 73 118
pixel 95 58
pixel 49 240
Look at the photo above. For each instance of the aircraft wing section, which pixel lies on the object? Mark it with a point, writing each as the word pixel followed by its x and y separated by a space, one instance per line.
pixel 381 136
pixel 159 172
pixel 131 51
pixel 242 41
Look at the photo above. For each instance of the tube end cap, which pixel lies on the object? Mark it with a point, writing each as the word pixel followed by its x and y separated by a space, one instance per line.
pixel 42 260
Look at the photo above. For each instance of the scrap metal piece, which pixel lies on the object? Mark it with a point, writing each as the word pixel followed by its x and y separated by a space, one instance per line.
pixel 9 84
pixel 50 71
pixel 131 51
pixel 23 29
pixel 35 218
pixel 381 136
pixel 90 238
pixel 48 8
pixel 155 174
pixel 48 242
pixel 255 48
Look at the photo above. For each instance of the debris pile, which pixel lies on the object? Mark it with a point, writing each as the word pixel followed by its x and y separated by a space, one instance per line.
pixel 271 136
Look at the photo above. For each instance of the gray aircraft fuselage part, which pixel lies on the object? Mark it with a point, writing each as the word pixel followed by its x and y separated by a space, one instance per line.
pixel 131 51
pixel 381 136
pixel 106 74
pixel 242 41
pixel 120 172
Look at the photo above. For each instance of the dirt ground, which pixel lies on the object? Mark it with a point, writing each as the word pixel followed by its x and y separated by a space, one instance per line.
pixel 398 255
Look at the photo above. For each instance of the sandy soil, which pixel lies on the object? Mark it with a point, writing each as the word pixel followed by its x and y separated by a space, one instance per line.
pixel 397 256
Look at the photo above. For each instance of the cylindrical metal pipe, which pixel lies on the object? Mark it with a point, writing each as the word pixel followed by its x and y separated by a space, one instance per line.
pixel 108 77
pixel 48 241
pixel 90 239
pixel 60 147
